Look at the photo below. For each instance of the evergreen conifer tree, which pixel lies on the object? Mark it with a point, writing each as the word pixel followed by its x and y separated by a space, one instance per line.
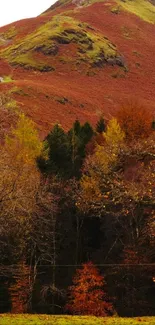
pixel 58 151
pixel 100 126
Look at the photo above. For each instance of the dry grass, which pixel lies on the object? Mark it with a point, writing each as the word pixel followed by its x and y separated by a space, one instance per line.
pixel 10 319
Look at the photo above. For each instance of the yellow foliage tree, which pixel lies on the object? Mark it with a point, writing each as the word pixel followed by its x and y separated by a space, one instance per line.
pixel 99 165
pixel 24 141
pixel 118 175
pixel 19 186
pixel 19 176
pixel 114 136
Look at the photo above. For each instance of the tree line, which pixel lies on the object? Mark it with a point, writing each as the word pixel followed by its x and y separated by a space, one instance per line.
pixel 81 197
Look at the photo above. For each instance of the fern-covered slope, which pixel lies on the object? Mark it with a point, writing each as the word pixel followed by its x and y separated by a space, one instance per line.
pixel 79 59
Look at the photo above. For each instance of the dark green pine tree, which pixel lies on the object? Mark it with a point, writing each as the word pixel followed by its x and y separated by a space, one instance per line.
pixel 66 151
pixel 59 160
pixel 86 133
pixel 101 126
pixel 79 135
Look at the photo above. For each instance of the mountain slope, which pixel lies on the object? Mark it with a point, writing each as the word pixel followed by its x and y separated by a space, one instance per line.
pixel 79 59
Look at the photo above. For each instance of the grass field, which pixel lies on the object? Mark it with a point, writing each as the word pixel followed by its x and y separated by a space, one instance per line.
pixel 11 319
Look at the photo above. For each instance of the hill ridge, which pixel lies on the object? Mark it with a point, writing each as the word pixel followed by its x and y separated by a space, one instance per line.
pixel 97 56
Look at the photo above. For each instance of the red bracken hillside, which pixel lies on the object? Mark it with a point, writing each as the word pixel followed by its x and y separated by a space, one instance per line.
pixel 79 59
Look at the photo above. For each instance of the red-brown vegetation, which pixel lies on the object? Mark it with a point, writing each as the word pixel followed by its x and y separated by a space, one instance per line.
pixel 20 290
pixel 87 296
pixel 135 120
pixel 90 92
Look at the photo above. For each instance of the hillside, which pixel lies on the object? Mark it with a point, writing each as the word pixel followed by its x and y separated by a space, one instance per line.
pixel 79 59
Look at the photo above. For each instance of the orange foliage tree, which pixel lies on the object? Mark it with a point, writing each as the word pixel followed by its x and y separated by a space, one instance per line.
pixel 135 120
pixel 20 289
pixel 87 296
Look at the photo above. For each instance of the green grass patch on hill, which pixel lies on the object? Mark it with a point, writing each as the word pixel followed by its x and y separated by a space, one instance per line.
pixel 8 36
pixel 7 79
pixel 71 320
pixel 141 8
pixel 10 33
pixel 92 47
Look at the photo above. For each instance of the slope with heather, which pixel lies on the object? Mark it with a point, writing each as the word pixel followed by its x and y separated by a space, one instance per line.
pixel 79 59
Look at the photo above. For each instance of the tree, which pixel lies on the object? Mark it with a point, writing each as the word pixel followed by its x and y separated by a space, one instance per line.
pixel 78 136
pixel 19 176
pixel 59 160
pixel 121 184
pixel 24 141
pixel 114 136
pixel 97 180
pixel 19 183
pixel 117 187
pixel 87 296
pixel 43 241
pixel 20 289
pixel 117 175
pixel 66 151
pixel 135 120
pixel 101 126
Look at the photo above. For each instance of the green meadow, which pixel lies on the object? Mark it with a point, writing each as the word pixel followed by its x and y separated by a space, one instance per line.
pixel 11 319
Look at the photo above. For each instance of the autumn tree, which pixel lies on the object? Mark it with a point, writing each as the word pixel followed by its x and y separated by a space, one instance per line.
pixel 87 295
pixel 117 187
pixel 20 289
pixel 106 216
pixel 19 175
pixel 19 183
pixel 119 181
pixel 44 239
pixel 118 175
pixel 114 136
pixel 97 182
pixel 135 120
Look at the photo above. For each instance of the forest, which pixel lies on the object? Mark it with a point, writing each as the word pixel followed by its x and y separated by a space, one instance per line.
pixel 77 212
